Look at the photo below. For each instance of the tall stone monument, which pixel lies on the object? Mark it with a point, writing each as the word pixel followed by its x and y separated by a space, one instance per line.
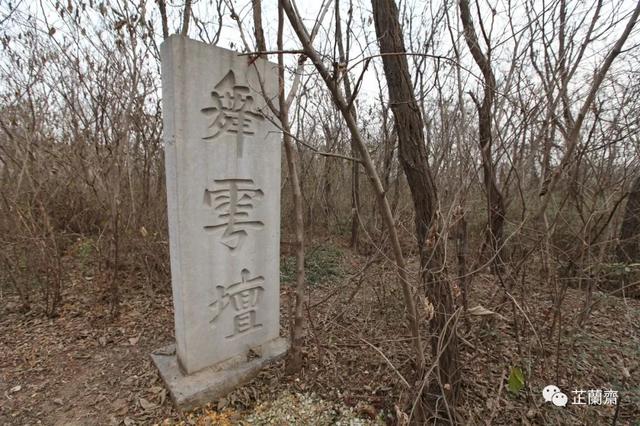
pixel 222 156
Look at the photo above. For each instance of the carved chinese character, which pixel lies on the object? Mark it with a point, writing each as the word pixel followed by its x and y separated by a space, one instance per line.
pixel 232 110
pixel 233 201
pixel 243 297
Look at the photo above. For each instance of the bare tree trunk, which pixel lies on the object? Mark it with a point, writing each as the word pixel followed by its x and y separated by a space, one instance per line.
pixel 327 190
pixel 495 202
pixel 628 248
pixel 114 285
pixel 294 362
pixel 343 105
pixel 162 6
pixel 355 166
pixel 186 18
pixel 297 324
pixel 409 126
pixel 460 232
pixel 573 132
pixel 258 32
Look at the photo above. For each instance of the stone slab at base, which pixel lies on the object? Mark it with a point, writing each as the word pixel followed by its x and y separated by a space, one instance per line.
pixel 201 387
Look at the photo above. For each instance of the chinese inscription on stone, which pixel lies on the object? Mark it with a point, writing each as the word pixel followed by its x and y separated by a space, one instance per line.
pixel 233 201
pixel 222 156
pixel 243 296
pixel 232 111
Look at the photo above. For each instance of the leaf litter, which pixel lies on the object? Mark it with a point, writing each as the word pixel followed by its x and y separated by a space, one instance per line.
pixel 99 367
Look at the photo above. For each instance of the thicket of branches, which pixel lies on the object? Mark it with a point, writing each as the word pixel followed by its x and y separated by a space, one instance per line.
pixel 530 118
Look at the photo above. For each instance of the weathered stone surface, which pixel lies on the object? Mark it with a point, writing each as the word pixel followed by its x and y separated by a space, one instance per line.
pixel 191 391
pixel 222 157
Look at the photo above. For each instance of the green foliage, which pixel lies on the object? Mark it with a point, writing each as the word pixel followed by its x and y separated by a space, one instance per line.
pixel 321 263
pixel 85 252
pixel 343 226
pixel 516 380
pixel 85 249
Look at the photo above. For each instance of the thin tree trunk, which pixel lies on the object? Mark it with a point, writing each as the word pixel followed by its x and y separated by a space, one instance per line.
pixel 409 126
pixel 342 104
pixel 461 253
pixel 573 132
pixel 297 325
pixel 162 6
pixel 186 18
pixel 294 363
pixel 495 202
pixel 628 249
pixel 355 166
pixel 327 190
pixel 258 32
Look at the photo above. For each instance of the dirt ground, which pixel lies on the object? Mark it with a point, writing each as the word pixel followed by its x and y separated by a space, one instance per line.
pixel 84 367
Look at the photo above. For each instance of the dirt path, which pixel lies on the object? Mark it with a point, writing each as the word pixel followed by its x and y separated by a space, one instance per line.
pixel 81 367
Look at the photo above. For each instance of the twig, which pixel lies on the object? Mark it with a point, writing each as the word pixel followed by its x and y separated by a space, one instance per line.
pixel 388 362
pixel 271 52
pixel 495 408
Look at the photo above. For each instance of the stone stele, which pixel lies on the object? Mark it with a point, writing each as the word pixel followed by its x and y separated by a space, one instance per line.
pixel 222 157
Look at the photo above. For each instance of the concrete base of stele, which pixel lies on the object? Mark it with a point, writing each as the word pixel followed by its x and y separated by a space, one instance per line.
pixel 212 383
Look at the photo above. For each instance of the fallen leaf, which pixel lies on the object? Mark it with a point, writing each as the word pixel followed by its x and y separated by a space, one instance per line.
pixel 368 410
pixel 120 406
pixel 516 380
pixel 482 311
pixel 146 405
pixel 163 396
pixel 15 389
pixel 222 403
pixel 402 419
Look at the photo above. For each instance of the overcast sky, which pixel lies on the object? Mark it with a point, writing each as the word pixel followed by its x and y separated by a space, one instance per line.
pixel 362 30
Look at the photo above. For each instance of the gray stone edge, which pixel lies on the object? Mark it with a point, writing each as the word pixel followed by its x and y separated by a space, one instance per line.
pixel 194 390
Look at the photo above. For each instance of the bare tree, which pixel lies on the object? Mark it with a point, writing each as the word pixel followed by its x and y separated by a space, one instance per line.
pixel 409 126
pixel 629 247
pixel 495 202
pixel 340 71
pixel 574 126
